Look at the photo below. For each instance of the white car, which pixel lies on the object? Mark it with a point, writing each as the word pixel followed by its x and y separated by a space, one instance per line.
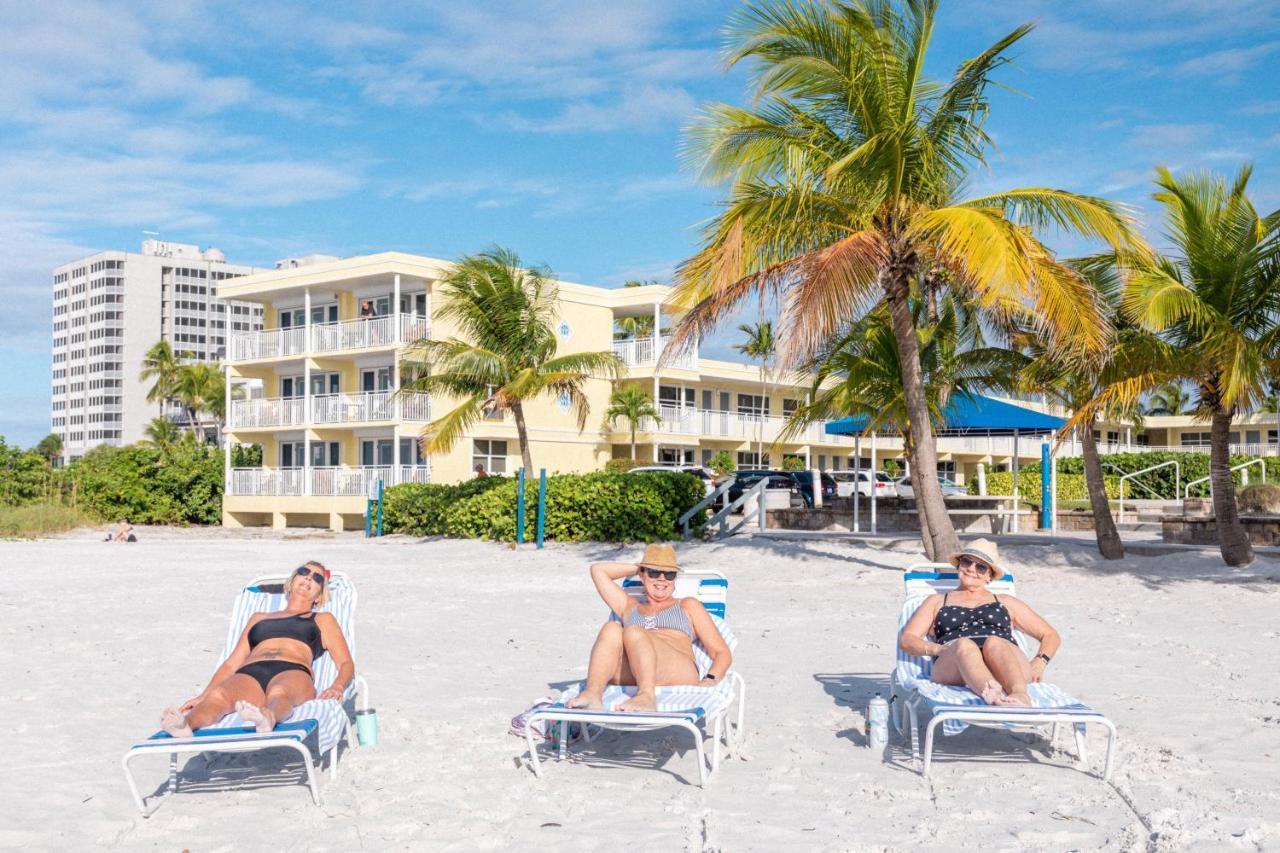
pixel 846 481
pixel 704 474
pixel 949 488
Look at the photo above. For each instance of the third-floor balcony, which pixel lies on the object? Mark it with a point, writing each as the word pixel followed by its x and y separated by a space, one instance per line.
pixel 330 409
pixel 323 338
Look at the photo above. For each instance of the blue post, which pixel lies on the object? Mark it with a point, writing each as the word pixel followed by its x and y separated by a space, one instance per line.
pixel 379 506
pixel 1046 488
pixel 368 513
pixel 542 503
pixel 520 506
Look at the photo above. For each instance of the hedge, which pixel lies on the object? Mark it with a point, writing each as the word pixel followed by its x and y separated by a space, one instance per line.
pixel 1194 465
pixel 180 484
pixel 602 506
pixel 1071 487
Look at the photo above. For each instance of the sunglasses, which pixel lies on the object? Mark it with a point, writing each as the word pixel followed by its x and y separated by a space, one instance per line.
pixel 978 565
pixel 303 571
pixel 655 574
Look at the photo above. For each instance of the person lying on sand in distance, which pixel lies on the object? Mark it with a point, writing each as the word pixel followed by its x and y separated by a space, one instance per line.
pixel 269 671
pixel 651 644
pixel 123 532
pixel 972 631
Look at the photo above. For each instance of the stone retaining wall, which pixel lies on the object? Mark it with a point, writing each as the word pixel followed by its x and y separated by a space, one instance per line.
pixel 897 514
pixel 1183 530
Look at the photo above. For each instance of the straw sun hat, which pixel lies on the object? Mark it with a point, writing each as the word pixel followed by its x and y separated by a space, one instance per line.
pixel 984 550
pixel 660 557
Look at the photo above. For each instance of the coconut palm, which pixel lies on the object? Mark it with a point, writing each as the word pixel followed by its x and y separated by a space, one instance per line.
pixel 507 315
pixel 760 346
pixel 1216 302
pixel 162 364
pixel 200 389
pixel 50 447
pixel 845 176
pixel 634 404
pixel 1171 398
pixel 162 432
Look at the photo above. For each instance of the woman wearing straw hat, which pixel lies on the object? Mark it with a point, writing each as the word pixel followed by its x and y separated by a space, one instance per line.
pixel 972 632
pixel 649 644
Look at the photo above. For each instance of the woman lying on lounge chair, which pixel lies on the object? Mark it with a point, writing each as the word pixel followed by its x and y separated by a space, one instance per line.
pixel 972 632
pixel 649 645
pixel 269 672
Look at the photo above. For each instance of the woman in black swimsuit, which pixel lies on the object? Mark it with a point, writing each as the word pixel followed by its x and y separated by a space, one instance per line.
pixel 269 671
pixel 972 632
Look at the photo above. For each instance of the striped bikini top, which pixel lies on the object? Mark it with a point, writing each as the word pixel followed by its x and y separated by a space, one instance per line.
pixel 672 617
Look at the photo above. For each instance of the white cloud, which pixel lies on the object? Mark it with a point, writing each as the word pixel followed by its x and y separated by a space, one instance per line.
pixel 1228 62
pixel 646 108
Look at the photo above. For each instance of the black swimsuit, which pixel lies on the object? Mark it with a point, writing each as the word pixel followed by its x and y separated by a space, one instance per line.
pixel 302 628
pixel 975 623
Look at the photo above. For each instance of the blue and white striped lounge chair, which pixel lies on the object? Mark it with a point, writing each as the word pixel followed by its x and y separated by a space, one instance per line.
pixel 719 710
pixel 956 708
pixel 326 723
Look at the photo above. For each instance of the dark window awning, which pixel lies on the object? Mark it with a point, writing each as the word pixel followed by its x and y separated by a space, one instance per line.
pixel 976 415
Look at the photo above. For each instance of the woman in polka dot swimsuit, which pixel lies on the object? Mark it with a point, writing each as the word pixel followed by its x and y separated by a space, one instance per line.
pixel 969 632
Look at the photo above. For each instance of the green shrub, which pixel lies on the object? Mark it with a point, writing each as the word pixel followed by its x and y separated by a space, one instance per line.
pixel 602 506
pixel 722 462
pixel 793 463
pixel 179 484
pixel 1071 487
pixel 618 466
pixel 25 476
pixel 1259 498
pixel 1194 465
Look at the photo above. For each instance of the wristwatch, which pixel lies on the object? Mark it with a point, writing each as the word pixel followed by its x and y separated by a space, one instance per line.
pixel 1042 657
pixel 709 676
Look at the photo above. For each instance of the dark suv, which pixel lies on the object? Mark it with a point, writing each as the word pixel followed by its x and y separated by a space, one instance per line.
pixel 799 482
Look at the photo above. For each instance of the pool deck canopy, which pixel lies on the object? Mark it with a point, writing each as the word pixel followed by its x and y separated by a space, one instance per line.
pixel 971 415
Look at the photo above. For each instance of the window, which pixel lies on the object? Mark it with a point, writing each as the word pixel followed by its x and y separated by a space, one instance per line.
pixel 413 303
pixel 707 453
pixel 1194 439
pixel 375 379
pixel 1253 436
pixel 947 469
pixel 675 456
pixel 411 452
pixel 747 459
pixel 789 407
pixel 822 458
pixel 491 455
pixel 753 405
pixel 376 452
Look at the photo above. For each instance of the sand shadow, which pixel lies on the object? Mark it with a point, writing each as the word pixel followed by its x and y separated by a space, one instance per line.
pixel 218 772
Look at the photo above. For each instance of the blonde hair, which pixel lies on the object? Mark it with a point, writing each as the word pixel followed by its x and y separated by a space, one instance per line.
pixel 324 590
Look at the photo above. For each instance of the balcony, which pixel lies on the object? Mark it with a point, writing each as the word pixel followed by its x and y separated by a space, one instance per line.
pixel 329 409
pixel 642 352
pixel 329 337
pixel 677 420
pixel 263 412
pixel 324 482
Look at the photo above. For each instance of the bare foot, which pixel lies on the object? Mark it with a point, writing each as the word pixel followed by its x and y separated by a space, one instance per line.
pixel 1020 698
pixel 993 693
pixel 262 719
pixel 174 722
pixel 644 700
pixel 590 701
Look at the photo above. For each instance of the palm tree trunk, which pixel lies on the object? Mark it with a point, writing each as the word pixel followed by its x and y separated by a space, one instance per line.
pixel 764 403
pixel 924 473
pixel 633 441
pixel 1236 550
pixel 1104 527
pixel 522 432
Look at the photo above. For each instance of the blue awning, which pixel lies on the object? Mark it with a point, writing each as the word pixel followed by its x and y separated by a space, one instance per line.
pixel 975 415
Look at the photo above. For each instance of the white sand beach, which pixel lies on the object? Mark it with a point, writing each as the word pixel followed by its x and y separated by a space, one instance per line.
pixel 456 637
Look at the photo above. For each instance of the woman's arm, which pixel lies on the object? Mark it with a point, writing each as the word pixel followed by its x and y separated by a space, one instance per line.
pixel 1028 621
pixel 234 661
pixel 705 630
pixel 606 576
pixel 336 645
pixel 914 634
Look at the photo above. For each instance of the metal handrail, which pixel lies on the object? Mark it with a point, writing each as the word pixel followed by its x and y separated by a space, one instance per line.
pixel 1177 482
pixel 722 517
pixel 703 504
pixel 1242 465
pixel 1114 467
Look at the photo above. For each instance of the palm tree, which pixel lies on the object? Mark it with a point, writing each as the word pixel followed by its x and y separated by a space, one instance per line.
pixel 50 447
pixel 200 389
pixel 1216 303
pixel 162 364
pixel 634 327
pixel 633 403
pixel 845 177
pixel 162 432
pixel 1171 398
pixel 759 346
pixel 508 317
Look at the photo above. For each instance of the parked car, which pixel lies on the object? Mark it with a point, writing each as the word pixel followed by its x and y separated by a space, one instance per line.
pixel 804 479
pixel 745 480
pixel 949 488
pixel 847 481
pixel 704 474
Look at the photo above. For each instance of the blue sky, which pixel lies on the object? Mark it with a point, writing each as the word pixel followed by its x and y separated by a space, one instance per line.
pixel 549 126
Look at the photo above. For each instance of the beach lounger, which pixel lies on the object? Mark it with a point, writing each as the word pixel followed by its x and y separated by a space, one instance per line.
pixel 956 708
pixel 323 724
pixel 719 710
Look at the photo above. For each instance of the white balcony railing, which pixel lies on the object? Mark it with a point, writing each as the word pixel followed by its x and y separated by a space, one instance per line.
pixel 272 343
pixel 265 482
pixel 686 420
pixel 352 334
pixel 352 408
pixel 414 328
pixel 414 474
pixel 267 412
pixel 641 352
pixel 333 481
pixel 414 407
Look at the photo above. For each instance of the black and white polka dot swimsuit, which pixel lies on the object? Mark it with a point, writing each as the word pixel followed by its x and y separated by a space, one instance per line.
pixel 976 623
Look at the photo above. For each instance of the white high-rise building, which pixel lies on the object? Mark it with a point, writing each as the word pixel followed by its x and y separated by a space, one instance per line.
pixel 110 308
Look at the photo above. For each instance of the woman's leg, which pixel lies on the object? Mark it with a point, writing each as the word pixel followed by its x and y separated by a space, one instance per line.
pixel 643 659
pixel 1010 667
pixel 961 662
pixel 217 703
pixel 285 692
pixel 608 666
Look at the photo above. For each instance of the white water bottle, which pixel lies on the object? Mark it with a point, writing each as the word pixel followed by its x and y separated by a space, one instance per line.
pixel 878 723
